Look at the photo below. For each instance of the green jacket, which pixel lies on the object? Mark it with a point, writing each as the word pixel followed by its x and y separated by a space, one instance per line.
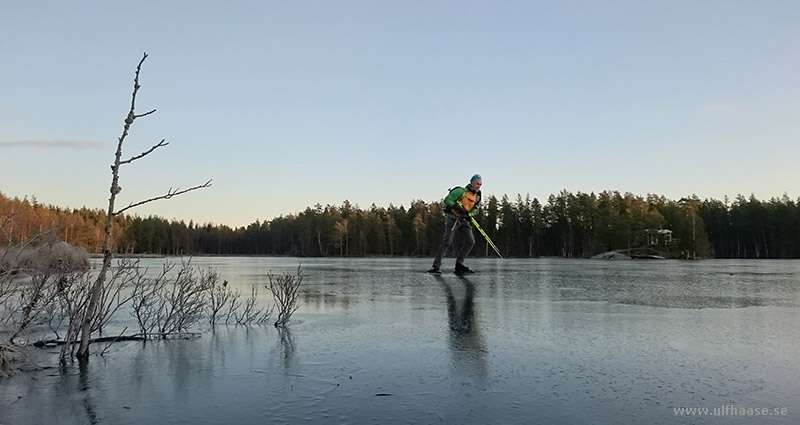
pixel 456 194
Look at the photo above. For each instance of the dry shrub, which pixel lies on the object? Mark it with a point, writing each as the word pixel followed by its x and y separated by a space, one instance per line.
pixel 46 257
pixel 284 289
pixel 35 276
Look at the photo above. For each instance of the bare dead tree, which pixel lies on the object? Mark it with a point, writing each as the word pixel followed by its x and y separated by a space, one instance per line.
pixel 48 287
pixel 233 306
pixel 97 288
pixel 251 313
pixel 184 302
pixel 221 297
pixel 225 304
pixel 35 296
pixel 284 290
pixel 73 298
pixel 35 277
pixel 54 315
pixel 146 301
pixel 126 274
pixel 172 302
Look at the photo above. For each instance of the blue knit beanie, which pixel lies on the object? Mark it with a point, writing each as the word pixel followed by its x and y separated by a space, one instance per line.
pixel 475 177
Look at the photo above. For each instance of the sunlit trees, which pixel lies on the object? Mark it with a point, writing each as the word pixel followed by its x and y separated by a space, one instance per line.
pixel 567 225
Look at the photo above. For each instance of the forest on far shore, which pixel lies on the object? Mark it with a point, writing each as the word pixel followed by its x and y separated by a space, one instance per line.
pixel 568 225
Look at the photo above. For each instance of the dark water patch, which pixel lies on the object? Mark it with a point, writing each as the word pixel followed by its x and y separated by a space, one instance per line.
pixel 698 302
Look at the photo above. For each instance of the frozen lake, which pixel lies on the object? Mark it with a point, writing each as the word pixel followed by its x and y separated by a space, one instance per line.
pixel 521 341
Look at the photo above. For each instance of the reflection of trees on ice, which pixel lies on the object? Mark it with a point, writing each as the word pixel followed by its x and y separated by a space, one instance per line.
pixel 88 403
pixel 286 347
pixel 466 342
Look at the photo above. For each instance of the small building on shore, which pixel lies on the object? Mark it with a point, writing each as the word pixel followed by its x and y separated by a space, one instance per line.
pixel 662 237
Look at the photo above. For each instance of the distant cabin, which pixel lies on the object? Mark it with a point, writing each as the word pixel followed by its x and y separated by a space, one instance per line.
pixel 659 237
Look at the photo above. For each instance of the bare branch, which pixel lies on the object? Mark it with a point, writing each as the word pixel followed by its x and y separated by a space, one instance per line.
pixel 136 87
pixel 170 193
pixel 144 114
pixel 162 143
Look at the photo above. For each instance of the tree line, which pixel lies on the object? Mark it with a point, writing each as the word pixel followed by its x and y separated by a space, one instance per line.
pixel 567 225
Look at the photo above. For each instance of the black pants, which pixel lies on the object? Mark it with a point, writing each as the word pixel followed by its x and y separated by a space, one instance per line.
pixel 453 225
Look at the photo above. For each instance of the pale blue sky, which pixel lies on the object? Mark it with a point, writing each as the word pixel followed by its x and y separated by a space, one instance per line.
pixel 285 104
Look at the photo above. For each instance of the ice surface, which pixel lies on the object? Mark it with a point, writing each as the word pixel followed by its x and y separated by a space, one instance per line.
pixel 521 341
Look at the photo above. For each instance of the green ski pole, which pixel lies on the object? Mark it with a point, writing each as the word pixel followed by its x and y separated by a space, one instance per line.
pixel 485 236
pixel 494 247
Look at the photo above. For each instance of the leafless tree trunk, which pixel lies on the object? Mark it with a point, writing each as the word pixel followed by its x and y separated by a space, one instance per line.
pixel 99 284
